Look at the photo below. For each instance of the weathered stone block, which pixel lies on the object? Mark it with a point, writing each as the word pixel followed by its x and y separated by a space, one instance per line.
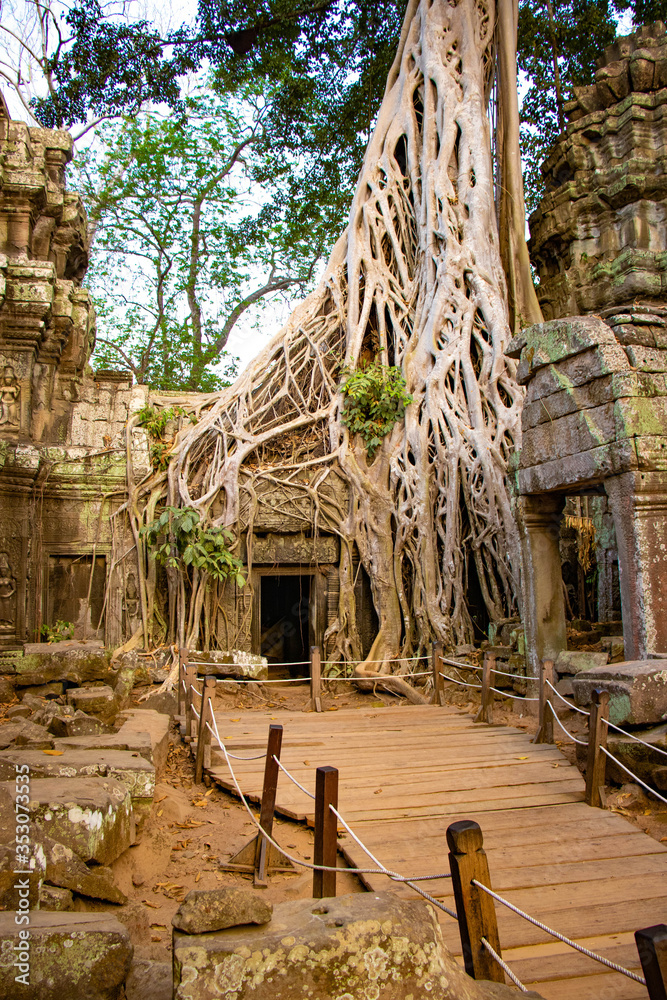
pixel 143 723
pixel 131 769
pixel 55 899
pixel 77 723
pixel 572 661
pixel 25 733
pixel 637 690
pixel 98 701
pixel 205 910
pixel 363 945
pixel 91 816
pixel 76 662
pixel 235 663
pixel 74 956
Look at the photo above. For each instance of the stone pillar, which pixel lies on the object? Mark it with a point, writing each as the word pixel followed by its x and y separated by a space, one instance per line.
pixel 544 607
pixel 638 502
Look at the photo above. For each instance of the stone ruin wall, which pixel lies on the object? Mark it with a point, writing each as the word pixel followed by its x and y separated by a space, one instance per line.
pixel 599 235
pixel 62 448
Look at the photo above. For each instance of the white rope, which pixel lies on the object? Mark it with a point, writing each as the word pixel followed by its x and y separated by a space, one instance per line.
pixel 568 703
pixel 561 937
pixel 193 709
pixel 464 684
pixel 517 697
pixel 635 738
pixel 381 870
pixel 504 966
pixel 185 687
pixel 634 776
pixel 582 743
pixel 292 778
pixel 252 680
pixel 393 875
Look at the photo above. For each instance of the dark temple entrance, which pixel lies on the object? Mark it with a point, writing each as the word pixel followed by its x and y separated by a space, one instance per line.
pixel 284 618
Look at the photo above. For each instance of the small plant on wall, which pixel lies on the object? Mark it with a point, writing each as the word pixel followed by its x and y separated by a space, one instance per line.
pixel 155 422
pixel 59 632
pixel 375 400
pixel 177 539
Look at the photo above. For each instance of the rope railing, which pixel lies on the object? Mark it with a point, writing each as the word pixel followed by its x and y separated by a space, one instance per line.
pixel 582 743
pixel 293 779
pixel 504 966
pixel 633 775
pixel 516 697
pixel 561 937
pixel 575 708
pixel 466 684
pixel 468 867
pixel 637 739
pixel 379 870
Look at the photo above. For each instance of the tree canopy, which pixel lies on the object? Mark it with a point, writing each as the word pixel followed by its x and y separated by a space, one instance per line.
pixel 194 224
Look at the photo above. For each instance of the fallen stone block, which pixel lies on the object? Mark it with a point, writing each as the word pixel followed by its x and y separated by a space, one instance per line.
pixel 640 759
pixel 55 899
pixel 25 733
pixel 637 690
pixel 205 910
pixel 75 662
pixel 7 689
pixel 131 769
pixel 91 816
pixel 77 723
pixel 19 712
pixel 68 955
pixel 146 720
pixel 362 945
pixel 230 663
pixel 51 863
pixel 137 742
pixel 573 661
pixel 53 690
pixel 98 701
pixel 149 979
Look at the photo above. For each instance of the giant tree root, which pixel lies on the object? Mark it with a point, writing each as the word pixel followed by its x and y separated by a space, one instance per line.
pixel 416 281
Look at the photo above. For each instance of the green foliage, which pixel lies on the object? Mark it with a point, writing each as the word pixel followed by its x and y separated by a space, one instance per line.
pixel 375 399
pixel 155 422
pixel 578 34
pixel 176 538
pixel 197 224
pixel 59 632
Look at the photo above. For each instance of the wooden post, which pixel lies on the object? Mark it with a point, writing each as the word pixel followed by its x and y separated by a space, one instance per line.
pixel 315 679
pixel 326 830
pixel 268 809
pixel 485 713
pixel 438 679
pixel 203 732
pixel 474 908
pixel 596 765
pixel 545 733
pixel 182 664
pixel 190 680
pixel 652 947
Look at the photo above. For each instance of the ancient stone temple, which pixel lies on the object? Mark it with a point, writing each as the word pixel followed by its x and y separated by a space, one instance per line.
pixel 59 426
pixel 595 418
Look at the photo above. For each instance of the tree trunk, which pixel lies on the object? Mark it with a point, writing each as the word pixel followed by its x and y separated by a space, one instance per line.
pixel 417 280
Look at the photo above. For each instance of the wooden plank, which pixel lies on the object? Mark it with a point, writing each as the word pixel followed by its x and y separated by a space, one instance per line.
pixel 587 873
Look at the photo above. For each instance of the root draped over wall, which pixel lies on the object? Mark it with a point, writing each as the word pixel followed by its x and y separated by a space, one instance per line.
pixel 416 281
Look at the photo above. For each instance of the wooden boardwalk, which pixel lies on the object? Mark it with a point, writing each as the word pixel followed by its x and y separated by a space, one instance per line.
pixel 406 773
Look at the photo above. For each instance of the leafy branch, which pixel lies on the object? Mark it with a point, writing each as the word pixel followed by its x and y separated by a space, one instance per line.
pixel 178 540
